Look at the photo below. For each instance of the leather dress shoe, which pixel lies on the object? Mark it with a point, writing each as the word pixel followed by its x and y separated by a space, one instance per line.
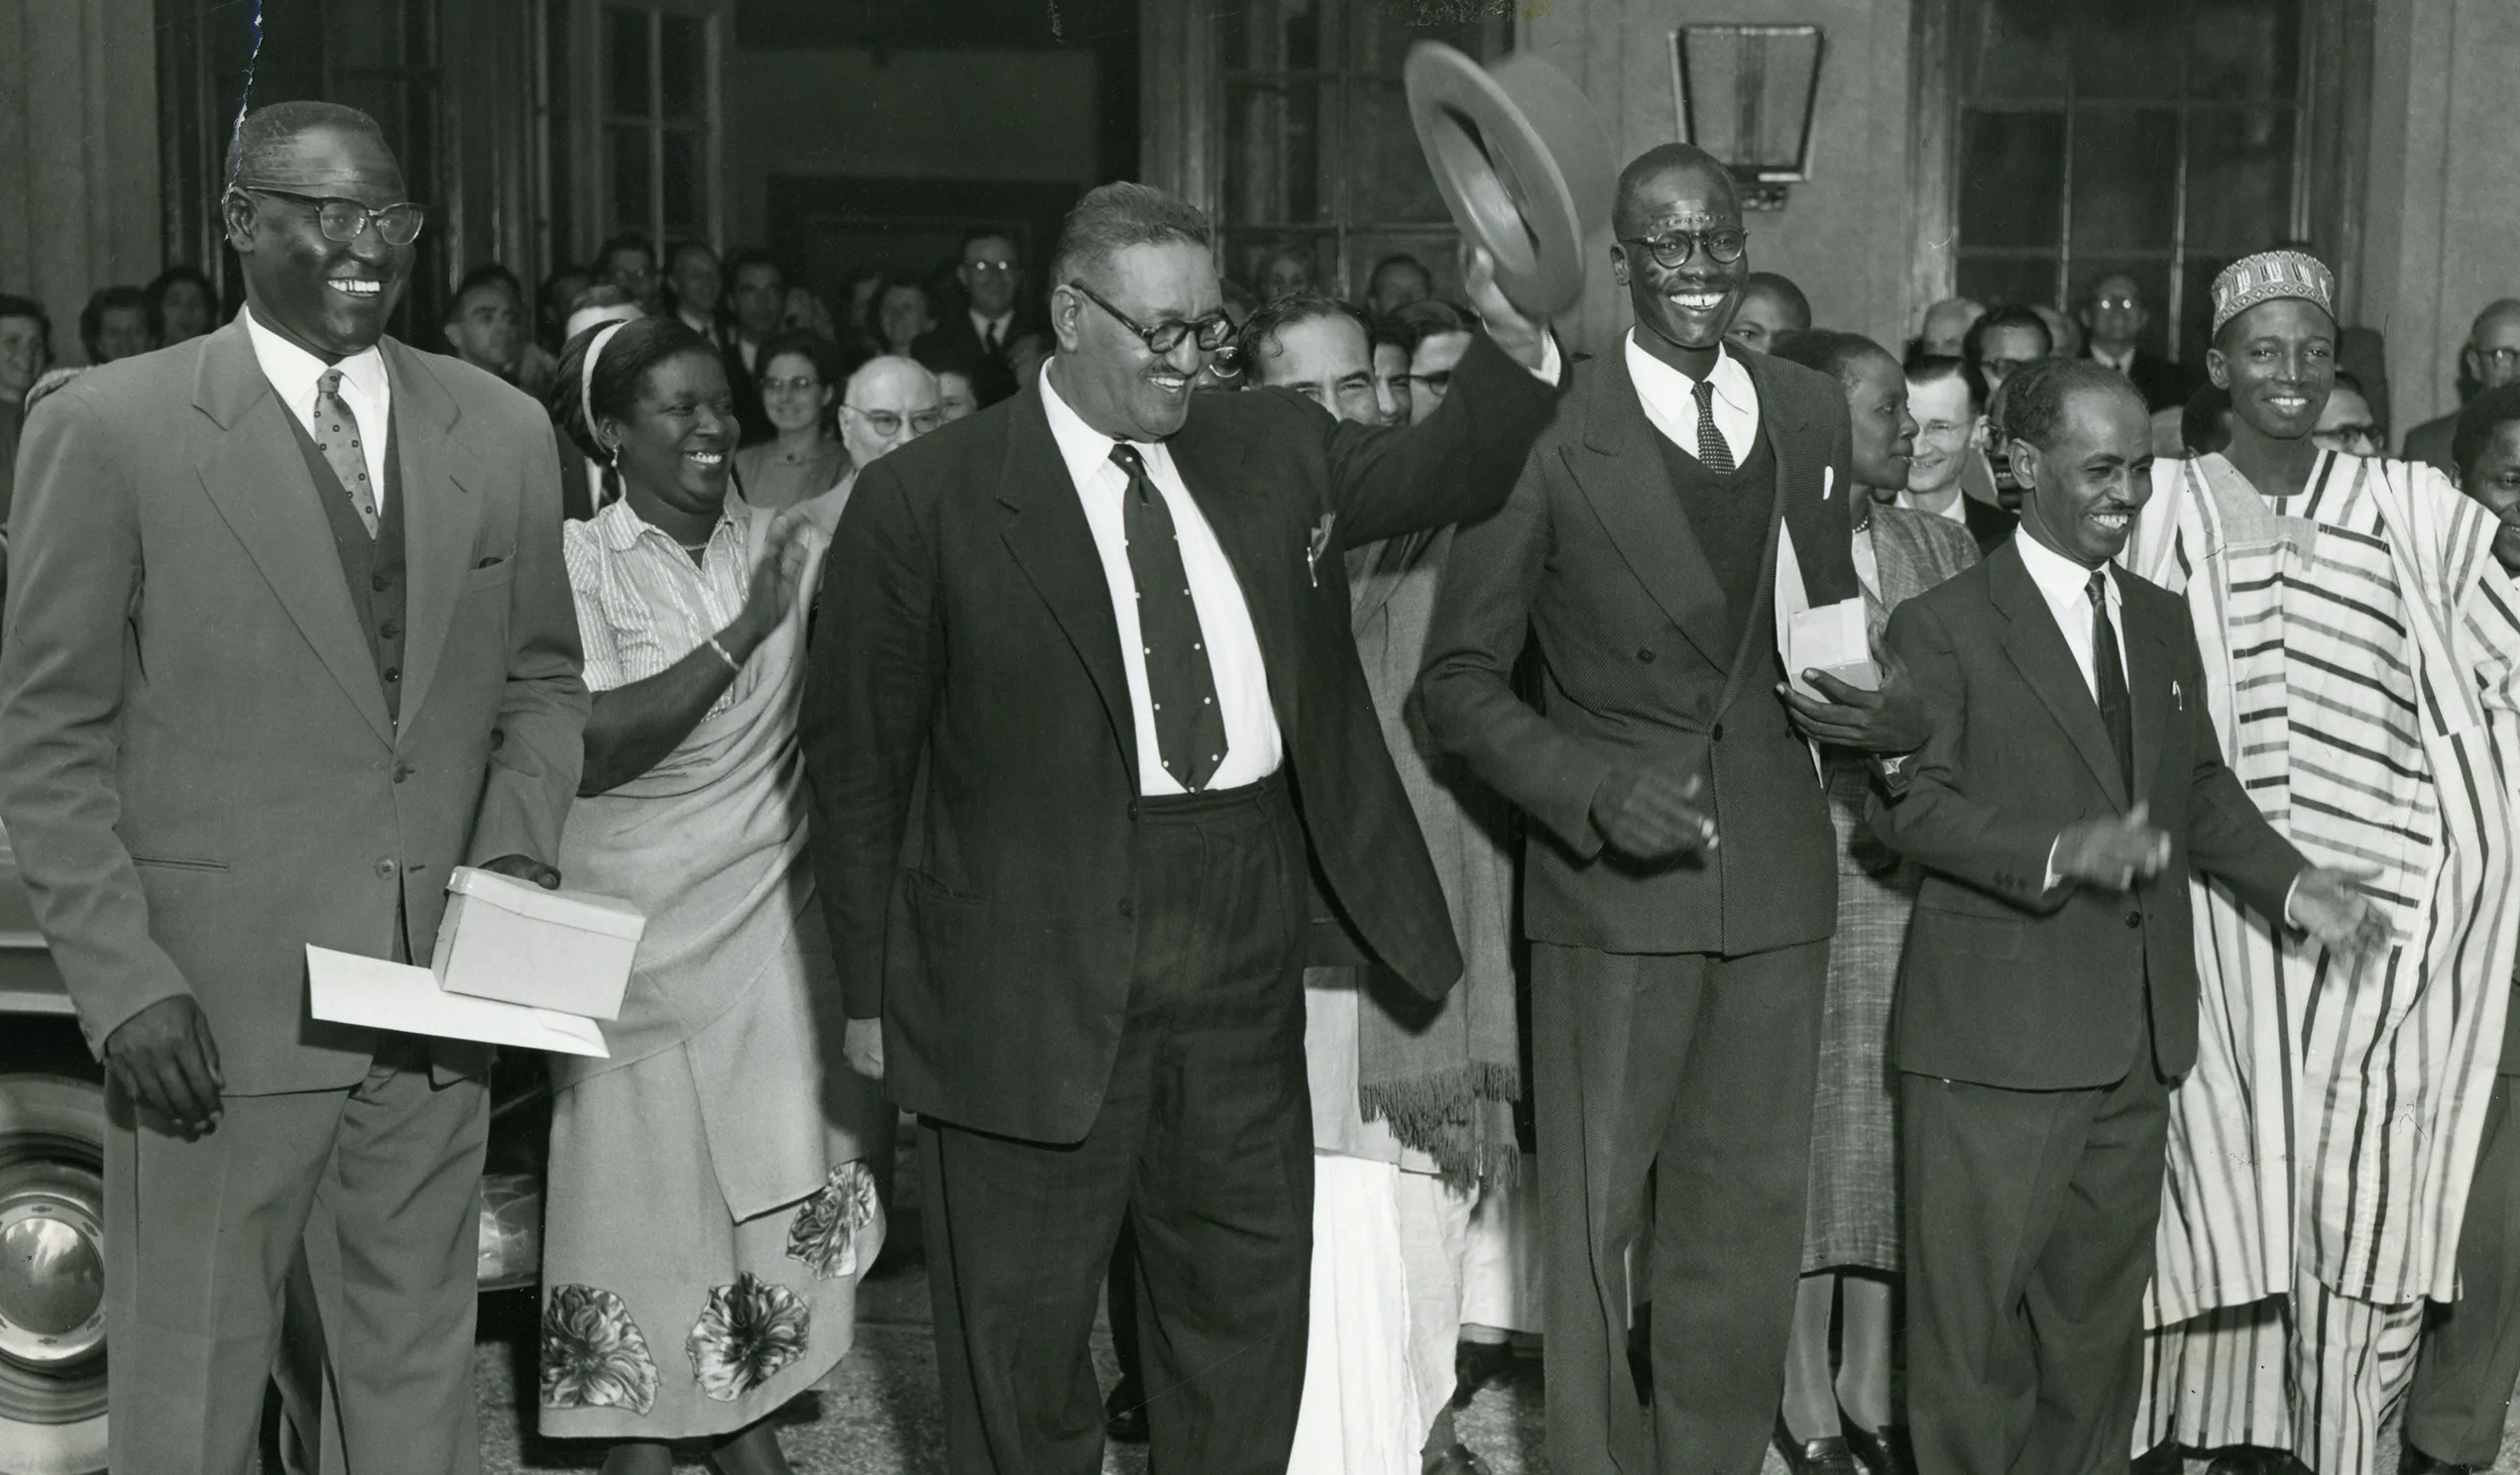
pixel 2414 1462
pixel 1124 1414
pixel 1827 1455
pixel 1477 1365
pixel 1887 1453
pixel 2254 1459
pixel 2162 1459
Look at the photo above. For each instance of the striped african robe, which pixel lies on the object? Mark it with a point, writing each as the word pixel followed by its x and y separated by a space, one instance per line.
pixel 2361 647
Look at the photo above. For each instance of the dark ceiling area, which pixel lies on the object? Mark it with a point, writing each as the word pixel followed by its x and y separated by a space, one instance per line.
pixel 995 25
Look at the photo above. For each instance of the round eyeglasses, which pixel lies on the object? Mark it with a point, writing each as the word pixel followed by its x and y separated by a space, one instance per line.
pixel 1210 332
pixel 1723 244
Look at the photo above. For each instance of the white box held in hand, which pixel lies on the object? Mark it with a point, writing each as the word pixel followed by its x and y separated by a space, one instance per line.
pixel 1830 638
pixel 510 939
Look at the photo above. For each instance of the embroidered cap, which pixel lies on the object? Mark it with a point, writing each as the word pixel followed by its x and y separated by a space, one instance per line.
pixel 2270 275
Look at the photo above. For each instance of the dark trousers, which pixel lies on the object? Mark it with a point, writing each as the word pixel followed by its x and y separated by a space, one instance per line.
pixel 2027 1224
pixel 1702 1065
pixel 1204 1140
pixel 2470 1354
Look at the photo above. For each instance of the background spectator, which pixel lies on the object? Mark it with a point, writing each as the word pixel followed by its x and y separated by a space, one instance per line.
pixel 1398 280
pixel 115 325
pixel 183 305
pixel 903 314
pixel 2005 341
pixel 800 386
pixel 629 262
pixel 1770 307
pixel 695 286
pixel 486 328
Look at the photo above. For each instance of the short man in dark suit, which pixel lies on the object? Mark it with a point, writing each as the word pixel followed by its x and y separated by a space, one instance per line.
pixel 2113 317
pixel 1089 650
pixel 1677 984
pixel 2048 995
pixel 975 339
pixel 289 639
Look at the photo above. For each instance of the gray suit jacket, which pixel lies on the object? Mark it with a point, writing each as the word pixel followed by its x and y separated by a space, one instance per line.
pixel 196 764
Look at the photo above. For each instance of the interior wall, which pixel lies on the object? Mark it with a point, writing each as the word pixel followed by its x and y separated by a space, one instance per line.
pixel 1843 235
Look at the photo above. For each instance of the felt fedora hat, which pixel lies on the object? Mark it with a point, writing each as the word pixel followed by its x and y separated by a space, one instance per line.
pixel 1522 162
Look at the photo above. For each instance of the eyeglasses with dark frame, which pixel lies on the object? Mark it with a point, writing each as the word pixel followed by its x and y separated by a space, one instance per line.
pixel 1210 332
pixel 345 220
pixel 1671 250
pixel 887 423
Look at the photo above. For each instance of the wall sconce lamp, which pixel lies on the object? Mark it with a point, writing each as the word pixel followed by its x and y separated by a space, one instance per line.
pixel 1747 95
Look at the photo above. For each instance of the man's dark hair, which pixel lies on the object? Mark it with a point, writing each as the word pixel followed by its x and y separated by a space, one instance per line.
pixel 673 252
pixel 752 256
pixel 626 241
pixel 1423 320
pixel 1935 368
pixel 1780 286
pixel 1974 347
pixel 265 130
pixel 1113 217
pixel 2202 427
pixel 1277 315
pixel 2486 415
pixel 92 318
pixel 1385 329
pixel 178 274
pixel 988 233
pixel 1832 353
pixel 1374 277
pixel 641 344
pixel 2036 396
pixel 488 273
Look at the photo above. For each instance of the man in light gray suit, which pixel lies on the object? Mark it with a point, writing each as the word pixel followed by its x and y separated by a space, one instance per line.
pixel 287 639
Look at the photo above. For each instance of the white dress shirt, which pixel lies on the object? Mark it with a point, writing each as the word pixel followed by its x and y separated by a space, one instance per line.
pixel 1670 399
pixel 704 325
pixel 1253 747
pixel 2063 583
pixel 2124 363
pixel 1003 323
pixel 1956 510
pixel 364 388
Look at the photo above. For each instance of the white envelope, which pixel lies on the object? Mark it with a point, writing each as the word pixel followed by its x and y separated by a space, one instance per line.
pixel 346 988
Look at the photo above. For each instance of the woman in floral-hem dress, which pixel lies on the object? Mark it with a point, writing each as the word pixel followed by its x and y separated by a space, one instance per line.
pixel 709 1207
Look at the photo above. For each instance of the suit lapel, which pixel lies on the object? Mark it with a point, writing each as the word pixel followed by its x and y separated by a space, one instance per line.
pixel 258 481
pixel 441 512
pixel 1247 528
pixel 2039 650
pixel 1620 470
pixel 1047 534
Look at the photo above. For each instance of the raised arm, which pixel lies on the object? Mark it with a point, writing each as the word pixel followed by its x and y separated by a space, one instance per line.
pixel 538 746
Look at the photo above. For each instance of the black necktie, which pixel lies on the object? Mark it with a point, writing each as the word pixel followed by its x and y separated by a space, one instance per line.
pixel 1713 452
pixel 2109 677
pixel 1190 730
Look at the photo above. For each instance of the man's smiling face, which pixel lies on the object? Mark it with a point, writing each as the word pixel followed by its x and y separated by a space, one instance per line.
pixel 330 298
pixel 1691 304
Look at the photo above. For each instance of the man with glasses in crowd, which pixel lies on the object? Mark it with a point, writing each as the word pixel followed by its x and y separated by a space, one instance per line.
pixel 2489 360
pixel 2114 317
pixel 1089 653
pixel 337 560
pixel 975 340
pixel 887 403
pixel 1677 982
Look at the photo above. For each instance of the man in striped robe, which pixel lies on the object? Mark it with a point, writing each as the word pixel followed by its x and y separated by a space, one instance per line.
pixel 2361 642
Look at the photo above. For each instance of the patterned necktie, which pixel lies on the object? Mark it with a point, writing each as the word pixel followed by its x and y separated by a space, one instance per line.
pixel 2116 712
pixel 337 436
pixel 1189 729
pixel 1712 452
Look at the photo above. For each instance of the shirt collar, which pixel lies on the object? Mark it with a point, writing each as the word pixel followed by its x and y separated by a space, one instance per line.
pixel 2120 362
pixel 620 527
pixel 293 371
pixel 704 326
pixel 1659 380
pixel 1087 451
pixel 984 322
pixel 2059 578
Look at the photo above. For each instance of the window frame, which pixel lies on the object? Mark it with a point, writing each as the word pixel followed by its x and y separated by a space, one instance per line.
pixel 591 121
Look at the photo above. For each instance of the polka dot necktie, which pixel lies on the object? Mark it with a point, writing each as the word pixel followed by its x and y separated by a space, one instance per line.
pixel 1713 452
pixel 337 436
pixel 1189 729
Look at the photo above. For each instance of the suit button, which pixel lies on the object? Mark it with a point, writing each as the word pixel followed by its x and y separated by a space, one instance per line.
pixel 1718 733
pixel 389 629
pixel 401 771
pixel 2135 919
pixel 1128 908
pixel 377 583
pixel 385 869
pixel 394 673
pixel 1645 655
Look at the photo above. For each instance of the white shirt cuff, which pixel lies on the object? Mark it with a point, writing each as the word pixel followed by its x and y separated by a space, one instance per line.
pixel 1552 368
pixel 2290 892
pixel 2053 875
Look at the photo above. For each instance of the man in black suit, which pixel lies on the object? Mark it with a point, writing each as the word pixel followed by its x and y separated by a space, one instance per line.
pixel 974 340
pixel 2048 995
pixel 2490 359
pixel 1677 984
pixel 1089 650
pixel 757 293
pixel 2113 317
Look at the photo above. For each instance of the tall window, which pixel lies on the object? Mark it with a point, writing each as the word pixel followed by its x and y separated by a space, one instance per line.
pixel 2158 138
pixel 1317 151
pixel 657 166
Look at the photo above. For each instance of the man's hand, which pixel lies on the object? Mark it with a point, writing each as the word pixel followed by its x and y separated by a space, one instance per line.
pixel 1890 721
pixel 2330 906
pixel 2112 854
pixel 1526 340
pixel 524 869
pixel 1648 814
pixel 861 1044
pixel 165 1057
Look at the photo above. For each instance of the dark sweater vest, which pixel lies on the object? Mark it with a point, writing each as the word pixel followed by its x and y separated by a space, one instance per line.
pixel 371 566
pixel 1729 512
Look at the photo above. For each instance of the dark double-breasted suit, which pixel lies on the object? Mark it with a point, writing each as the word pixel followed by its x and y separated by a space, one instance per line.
pixel 1676 1006
pixel 1093 996
pixel 2037 1027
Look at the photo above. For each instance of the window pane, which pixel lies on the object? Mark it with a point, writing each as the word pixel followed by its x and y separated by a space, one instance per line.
pixel 1273 154
pixel 2239 180
pixel 2125 178
pixel 2152 283
pixel 1390 181
pixel 2019 50
pixel 683 53
pixel 1272 35
pixel 626 167
pixel 625 63
pixel 686 183
pixel 2127 49
pixel 2011 177
pixel 2195 306
pixel 1996 280
pixel 2244 49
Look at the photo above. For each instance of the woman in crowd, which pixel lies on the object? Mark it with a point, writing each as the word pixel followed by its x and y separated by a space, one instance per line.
pixel 1851 1247
pixel 183 305
pixel 800 384
pixel 903 314
pixel 707 1212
